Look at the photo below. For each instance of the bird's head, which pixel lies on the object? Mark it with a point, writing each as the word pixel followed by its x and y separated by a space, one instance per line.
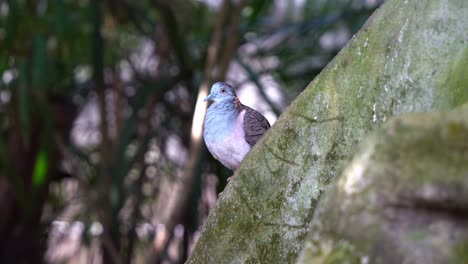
pixel 221 92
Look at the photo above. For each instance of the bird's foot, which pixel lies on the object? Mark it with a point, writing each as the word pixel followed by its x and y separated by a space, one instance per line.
pixel 228 179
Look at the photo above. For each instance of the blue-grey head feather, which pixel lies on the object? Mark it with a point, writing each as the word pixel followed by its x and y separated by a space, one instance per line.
pixel 221 92
pixel 221 115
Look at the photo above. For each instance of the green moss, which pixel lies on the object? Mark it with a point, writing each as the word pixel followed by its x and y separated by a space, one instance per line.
pixel 408 177
pixel 456 77
pixel 409 57
pixel 343 253
pixel 326 253
pixel 461 252
pixel 417 235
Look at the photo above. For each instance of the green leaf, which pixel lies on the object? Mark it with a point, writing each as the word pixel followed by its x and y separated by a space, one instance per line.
pixel 257 8
pixel 12 23
pixel 61 21
pixel 41 165
pixel 40 168
pixel 3 62
pixel 39 62
pixel 24 103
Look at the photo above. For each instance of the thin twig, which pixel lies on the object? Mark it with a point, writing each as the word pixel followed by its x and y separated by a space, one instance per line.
pixel 106 144
pixel 257 82
pixel 113 253
pixel 232 42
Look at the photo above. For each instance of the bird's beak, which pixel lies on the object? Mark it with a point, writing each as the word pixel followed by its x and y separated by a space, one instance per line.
pixel 210 97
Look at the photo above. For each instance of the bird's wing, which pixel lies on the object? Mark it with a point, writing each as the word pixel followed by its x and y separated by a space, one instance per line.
pixel 255 125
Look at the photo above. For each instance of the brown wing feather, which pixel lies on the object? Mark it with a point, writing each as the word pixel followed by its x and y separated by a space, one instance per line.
pixel 255 125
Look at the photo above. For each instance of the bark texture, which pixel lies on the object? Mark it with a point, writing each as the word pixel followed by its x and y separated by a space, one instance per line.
pixel 409 57
pixel 402 199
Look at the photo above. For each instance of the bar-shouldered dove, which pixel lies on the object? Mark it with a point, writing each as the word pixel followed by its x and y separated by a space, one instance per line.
pixel 231 128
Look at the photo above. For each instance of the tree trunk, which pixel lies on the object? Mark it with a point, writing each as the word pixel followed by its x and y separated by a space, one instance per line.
pixel 410 56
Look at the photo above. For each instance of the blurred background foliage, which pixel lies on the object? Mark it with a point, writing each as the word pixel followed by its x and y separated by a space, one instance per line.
pixel 99 161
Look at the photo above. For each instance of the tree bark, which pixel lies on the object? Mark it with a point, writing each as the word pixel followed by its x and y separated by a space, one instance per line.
pixel 408 57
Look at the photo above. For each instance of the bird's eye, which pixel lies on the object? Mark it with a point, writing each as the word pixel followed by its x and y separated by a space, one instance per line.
pixel 223 90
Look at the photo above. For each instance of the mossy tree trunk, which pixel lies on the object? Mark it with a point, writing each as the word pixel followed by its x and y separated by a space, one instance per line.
pixel 402 199
pixel 410 56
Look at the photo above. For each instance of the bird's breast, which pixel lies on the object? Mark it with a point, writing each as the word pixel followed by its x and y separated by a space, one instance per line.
pixel 225 139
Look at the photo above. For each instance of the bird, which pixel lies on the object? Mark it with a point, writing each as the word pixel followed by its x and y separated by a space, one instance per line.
pixel 231 129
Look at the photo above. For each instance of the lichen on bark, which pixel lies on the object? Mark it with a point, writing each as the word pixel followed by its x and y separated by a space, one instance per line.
pixel 402 199
pixel 409 57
